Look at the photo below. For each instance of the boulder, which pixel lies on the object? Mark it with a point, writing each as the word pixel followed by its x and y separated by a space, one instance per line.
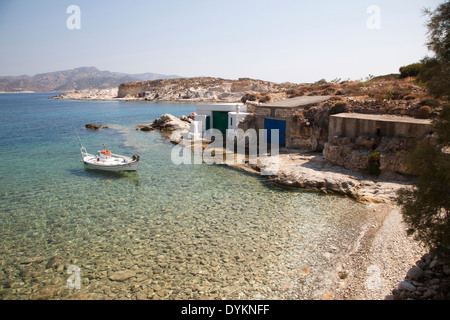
pixel 192 115
pixel 167 123
pixel 415 273
pixel 406 286
pixel 148 127
pixel 186 119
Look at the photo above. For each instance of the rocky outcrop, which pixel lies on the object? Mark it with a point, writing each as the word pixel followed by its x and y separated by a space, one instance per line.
pixel 311 171
pixel 168 123
pixel 355 154
pixel 345 153
pixel 89 95
pixel 187 89
pixel 94 126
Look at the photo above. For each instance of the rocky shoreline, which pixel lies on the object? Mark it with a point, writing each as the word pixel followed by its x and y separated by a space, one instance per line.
pixel 89 95
pixel 306 170
pixel 386 263
pixel 384 253
pixel 311 171
pixel 112 95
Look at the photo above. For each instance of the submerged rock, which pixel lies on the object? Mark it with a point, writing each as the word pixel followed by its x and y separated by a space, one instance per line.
pixel 55 262
pixel 94 126
pixel 122 275
pixel 46 293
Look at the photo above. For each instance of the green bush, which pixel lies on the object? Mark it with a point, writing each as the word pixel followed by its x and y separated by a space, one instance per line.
pixel 363 85
pixel 374 163
pixel 391 76
pixel 426 206
pixel 411 70
pixel 321 81
pixel 396 94
pixel 390 94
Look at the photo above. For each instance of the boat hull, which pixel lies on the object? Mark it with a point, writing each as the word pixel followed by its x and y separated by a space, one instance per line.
pixel 106 161
pixel 132 166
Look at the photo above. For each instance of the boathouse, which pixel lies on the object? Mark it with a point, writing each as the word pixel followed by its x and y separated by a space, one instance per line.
pixel 218 116
pixel 280 115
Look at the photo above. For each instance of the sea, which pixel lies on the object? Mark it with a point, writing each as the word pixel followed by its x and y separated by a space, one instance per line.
pixel 168 231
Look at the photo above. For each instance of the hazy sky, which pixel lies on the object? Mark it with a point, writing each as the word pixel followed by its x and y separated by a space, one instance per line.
pixel 283 40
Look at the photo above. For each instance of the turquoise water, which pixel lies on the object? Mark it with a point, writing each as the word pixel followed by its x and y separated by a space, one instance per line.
pixel 180 232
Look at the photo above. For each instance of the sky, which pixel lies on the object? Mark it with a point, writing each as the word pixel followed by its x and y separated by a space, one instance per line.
pixel 282 41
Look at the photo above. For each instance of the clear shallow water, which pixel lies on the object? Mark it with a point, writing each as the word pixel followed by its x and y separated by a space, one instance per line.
pixel 181 232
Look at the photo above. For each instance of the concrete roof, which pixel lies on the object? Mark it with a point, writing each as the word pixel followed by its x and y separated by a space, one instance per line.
pixel 381 117
pixel 296 102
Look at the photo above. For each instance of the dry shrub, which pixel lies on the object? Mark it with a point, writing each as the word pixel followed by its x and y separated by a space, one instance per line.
pixel 265 99
pixel 250 97
pixel 339 107
pixel 424 112
pixel 432 102
pixel 292 93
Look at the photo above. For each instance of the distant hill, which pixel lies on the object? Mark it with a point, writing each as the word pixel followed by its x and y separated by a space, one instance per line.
pixel 84 78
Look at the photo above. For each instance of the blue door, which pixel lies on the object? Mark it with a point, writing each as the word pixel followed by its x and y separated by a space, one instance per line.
pixel 280 125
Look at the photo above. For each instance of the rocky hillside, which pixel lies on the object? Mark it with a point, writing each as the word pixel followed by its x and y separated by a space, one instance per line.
pixel 201 89
pixel 381 95
pixel 85 78
pixel 385 92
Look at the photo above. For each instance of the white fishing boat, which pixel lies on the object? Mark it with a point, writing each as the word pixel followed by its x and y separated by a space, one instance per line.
pixel 107 161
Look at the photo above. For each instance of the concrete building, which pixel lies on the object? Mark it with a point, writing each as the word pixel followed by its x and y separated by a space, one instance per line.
pixel 353 125
pixel 353 137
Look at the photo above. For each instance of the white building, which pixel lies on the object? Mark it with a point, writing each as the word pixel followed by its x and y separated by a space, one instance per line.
pixel 217 116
